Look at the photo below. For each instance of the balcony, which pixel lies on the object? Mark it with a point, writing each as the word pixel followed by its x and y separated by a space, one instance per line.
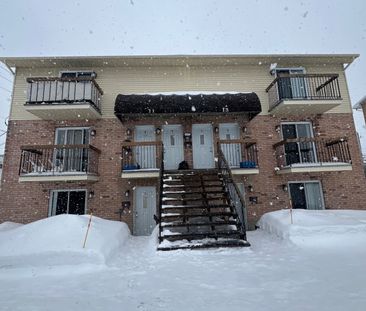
pixel 299 94
pixel 59 163
pixel 64 98
pixel 141 159
pixel 305 155
pixel 240 155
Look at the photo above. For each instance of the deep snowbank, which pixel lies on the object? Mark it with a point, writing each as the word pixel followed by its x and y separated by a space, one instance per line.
pixel 323 228
pixel 59 241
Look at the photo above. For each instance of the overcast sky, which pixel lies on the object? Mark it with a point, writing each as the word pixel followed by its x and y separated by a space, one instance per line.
pixel 136 27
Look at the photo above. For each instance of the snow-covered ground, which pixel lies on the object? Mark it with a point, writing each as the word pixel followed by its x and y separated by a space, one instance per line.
pixel 276 273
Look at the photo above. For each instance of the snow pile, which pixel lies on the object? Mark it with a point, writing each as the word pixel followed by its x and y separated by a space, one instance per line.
pixel 319 228
pixel 59 240
pixel 8 225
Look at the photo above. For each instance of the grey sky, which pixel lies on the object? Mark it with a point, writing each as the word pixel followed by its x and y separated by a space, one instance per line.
pixel 136 27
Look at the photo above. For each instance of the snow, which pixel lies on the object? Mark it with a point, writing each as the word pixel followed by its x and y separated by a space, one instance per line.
pixel 273 274
pixel 8 225
pixel 187 93
pixel 59 241
pixel 317 228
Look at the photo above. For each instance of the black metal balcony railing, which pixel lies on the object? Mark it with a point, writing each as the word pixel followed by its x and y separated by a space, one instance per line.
pixel 303 87
pixel 239 153
pixel 141 155
pixel 63 90
pixel 305 151
pixel 59 159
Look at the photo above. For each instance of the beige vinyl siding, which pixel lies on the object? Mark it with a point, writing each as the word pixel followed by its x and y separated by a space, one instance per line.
pixel 140 79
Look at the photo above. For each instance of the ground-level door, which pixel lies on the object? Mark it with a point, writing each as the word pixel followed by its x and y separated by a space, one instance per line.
pixel 67 202
pixel 202 145
pixel 173 146
pixel 145 208
pixel 232 152
pixel 306 195
pixel 145 156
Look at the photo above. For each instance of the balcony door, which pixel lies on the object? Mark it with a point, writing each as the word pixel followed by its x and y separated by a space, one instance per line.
pixel 306 195
pixel 298 152
pixel 232 152
pixel 71 159
pixel 145 156
pixel 67 202
pixel 291 87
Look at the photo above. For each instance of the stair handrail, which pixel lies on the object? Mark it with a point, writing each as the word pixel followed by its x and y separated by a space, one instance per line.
pixel 161 188
pixel 228 180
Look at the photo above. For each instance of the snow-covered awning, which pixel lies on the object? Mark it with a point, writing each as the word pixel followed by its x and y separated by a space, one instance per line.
pixel 187 103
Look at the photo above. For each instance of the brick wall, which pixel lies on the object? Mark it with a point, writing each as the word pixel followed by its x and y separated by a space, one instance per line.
pixel 29 201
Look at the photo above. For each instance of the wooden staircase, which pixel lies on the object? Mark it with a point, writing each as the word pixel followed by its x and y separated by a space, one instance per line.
pixel 197 211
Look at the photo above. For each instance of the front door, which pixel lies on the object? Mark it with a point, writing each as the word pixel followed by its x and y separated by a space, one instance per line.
pixel 232 152
pixel 145 156
pixel 202 140
pixel 173 146
pixel 145 208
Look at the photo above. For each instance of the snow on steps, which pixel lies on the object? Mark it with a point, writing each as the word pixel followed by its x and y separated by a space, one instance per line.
pixel 317 228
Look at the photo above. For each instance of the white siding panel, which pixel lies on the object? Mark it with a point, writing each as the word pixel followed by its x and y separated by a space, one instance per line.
pixel 139 79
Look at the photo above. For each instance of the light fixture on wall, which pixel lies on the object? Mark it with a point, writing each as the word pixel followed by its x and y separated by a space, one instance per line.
pixel 93 133
pixel 127 193
pixel 91 194
pixel 158 131
pixel 245 129
pixel 284 187
pixel 250 188
pixel 278 128
pixel 216 129
pixel 128 131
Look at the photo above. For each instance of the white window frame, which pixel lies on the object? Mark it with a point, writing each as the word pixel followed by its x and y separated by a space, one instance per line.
pixel 71 128
pixel 305 182
pixel 50 204
pixel 76 72
pixel 298 144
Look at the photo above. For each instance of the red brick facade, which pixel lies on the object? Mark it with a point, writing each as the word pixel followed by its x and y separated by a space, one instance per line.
pixel 29 201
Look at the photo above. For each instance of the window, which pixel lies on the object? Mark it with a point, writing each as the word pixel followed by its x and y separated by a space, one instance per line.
pixel 298 152
pixel 77 74
pixel 306 195
pixel 67 202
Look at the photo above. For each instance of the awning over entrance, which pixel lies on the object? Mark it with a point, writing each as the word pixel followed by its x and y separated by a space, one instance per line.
pixel 189 104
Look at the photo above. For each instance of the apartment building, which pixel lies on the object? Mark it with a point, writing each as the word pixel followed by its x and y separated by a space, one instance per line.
pixel 201 145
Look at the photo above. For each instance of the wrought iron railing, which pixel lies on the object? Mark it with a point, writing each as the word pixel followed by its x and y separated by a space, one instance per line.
pixel 303 87
pixel 42 91
pixel 141 155
pixel 240 153
pixel 304 151
pixel 236 199
pixel 59 159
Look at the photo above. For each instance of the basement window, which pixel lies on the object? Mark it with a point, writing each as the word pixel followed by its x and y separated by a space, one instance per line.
pixel 67 202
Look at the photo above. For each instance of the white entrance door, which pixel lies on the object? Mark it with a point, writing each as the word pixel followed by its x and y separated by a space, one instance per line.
pixel 145 208
pixel 145 156
pixel 173 146
pixel 232 152
pixel 202 140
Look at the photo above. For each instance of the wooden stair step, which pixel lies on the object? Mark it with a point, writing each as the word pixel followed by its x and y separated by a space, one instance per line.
pixel 206 244
pixel 192 206
pixel 197 236
pixel 212 223
pixel 194 192
pixel 165 218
